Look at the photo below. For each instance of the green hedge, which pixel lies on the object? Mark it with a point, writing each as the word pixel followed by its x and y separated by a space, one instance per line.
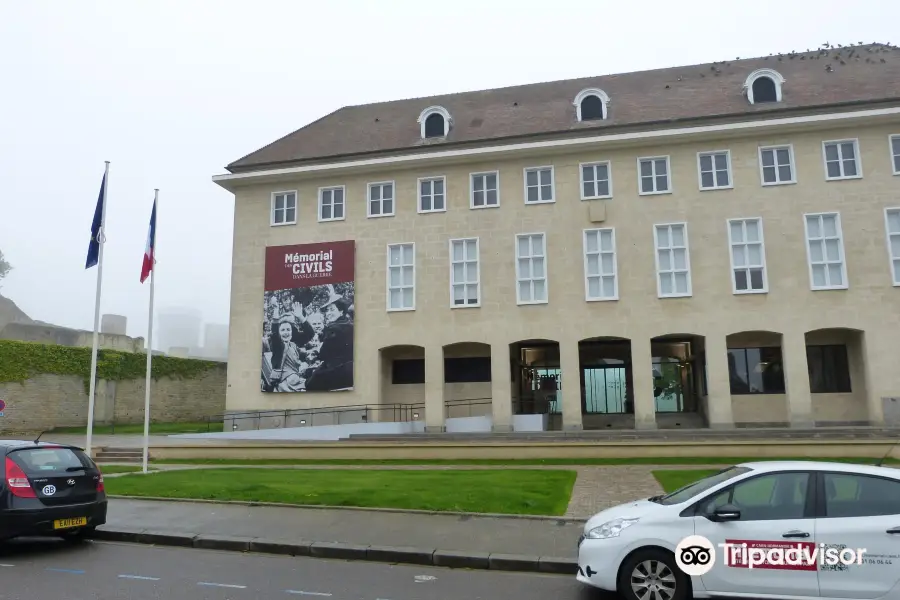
pixel 20 361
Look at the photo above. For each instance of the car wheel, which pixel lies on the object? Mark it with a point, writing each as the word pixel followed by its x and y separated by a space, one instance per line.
pixel 78 535
pixel 653 575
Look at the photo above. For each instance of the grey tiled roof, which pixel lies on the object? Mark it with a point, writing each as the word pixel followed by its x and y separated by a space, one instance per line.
pixel 658 98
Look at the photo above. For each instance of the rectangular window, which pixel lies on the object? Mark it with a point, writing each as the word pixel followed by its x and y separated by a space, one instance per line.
pixel 381 199
pixel 653 175
pixel 715 170
pixel 432 194
pixel 892 226
pixel 756 370
pixel 331 203
pixel 829 369
pixel 673 262
pixel 539 185
pixel 284 208
pixel 841 159
pixel 596 181
pixel 825 251
pixel 407 371
pixel 600 280
pixel 474 369
pixel 776 165
pixel 465 286
pixel 748 256
pixel 401 281
pixel 895 153
pixel 531 269
pixel 485 189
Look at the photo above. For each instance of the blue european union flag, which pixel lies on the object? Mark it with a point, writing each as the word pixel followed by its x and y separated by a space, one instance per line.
pixel 93 255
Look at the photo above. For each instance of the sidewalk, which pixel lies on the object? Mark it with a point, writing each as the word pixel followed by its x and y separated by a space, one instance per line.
pixel 474 535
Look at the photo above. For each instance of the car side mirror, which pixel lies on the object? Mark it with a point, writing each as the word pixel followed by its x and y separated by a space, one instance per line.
pixel 726 512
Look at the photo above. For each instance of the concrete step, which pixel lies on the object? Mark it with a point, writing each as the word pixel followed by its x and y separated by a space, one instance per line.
pixel 117 455
pixel 130 460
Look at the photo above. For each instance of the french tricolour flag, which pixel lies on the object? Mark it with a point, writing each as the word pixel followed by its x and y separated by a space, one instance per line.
pixel 151 245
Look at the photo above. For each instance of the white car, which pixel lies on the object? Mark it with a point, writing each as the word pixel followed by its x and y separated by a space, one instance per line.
pixel 632 548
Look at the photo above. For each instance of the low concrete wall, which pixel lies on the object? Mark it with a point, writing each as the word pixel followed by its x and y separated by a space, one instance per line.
pixel 524 450
pixel 323 432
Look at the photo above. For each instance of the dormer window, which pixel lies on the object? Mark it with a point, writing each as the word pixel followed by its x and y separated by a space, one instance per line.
pixel 764 86
pixel 435 122
pixel 591 105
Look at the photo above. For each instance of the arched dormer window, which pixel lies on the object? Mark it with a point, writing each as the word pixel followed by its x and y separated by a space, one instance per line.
pixel 763 85
pixel 435 121
pixel 591 104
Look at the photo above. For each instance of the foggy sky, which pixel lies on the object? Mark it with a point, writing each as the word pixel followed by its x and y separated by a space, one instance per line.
pixel 170 91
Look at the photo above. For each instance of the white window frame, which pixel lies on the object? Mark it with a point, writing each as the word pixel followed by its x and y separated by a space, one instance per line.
pixel 400 266
pixel 272 208
pixel 538 170
pixel 531 279
pixel 655 192
pixel 895 167
pixel 419 196
pixel 369 187
pixel 477 283
pixel 728 170
pixel 431 110
pixel 809 264
pixel 615 273
pixel 762 250
pixel 895 275
pixel 687 261
pixel 857 157
pixel 793 164
pixel 472 177
pixel 609 175
pixel 320 203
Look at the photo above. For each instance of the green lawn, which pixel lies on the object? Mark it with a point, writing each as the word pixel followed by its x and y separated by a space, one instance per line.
pixel 689 460
pixel 138 428
pixel 675 479
pixel 532 492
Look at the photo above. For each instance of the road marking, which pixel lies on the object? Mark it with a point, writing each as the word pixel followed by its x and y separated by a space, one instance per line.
pixel 302 593
pixel 139 577
pixel 70 571
pixel 224 585
pixel 3 565
pixel 423 578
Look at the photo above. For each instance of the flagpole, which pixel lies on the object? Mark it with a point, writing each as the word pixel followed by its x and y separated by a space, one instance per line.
pixel 150 333
pixel 93 382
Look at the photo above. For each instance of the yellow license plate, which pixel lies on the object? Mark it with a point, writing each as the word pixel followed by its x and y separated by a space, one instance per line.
pixel 69 523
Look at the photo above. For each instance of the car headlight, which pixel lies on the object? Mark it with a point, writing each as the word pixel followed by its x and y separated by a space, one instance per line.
pixel 610 529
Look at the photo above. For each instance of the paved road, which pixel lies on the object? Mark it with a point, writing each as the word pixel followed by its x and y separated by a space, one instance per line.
pixel 109 571
pixel 444 532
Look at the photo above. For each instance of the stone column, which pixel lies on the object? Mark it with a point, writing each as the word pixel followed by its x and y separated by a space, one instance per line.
pixel 434 388
pixel 796 379
pixel 642 377
pixel 718 392
pixel 501 388
pixel 879 370
pixel 570 375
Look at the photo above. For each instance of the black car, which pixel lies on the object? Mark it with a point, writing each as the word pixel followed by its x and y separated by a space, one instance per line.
pixel 49 489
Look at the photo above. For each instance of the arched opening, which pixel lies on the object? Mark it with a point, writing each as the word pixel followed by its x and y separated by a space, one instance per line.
pixel 434 126
pixel 835 359
pixel 536 380
pixel 764 90
pixel 679 380
pixel 592 109
pixel 756 378
pixel 467 386
pixel 402 389
pixel 607 382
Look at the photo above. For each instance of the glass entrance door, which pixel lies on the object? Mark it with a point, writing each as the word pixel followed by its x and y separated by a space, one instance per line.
pixel 604 390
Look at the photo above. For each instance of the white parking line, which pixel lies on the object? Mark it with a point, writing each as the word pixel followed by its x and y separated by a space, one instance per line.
pixel 223 585
pixel 3 565
pixel 302 593
pixel 139 577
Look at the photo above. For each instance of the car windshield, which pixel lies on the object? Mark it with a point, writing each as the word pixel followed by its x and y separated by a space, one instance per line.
pixel 691 490
pixel 35 461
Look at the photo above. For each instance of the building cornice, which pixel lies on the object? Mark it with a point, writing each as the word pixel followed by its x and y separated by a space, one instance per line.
pixel 232 181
